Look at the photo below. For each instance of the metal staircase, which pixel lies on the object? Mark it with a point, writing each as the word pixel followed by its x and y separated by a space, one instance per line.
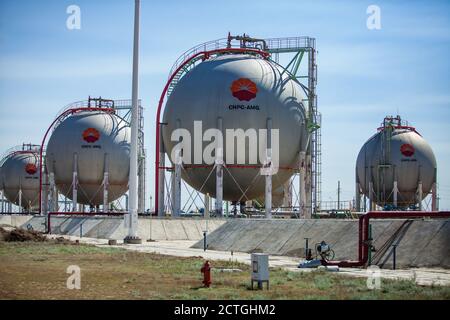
pixel 299 47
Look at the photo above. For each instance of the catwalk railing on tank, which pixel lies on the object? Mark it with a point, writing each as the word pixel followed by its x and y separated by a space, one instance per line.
pixel 24 148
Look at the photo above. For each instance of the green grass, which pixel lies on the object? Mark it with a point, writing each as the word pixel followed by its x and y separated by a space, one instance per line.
pixel 38 271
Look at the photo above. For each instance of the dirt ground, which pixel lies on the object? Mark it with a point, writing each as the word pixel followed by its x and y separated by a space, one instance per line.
pixel 38 270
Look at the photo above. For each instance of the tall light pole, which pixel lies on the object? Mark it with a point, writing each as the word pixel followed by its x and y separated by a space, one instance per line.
pixel 131 219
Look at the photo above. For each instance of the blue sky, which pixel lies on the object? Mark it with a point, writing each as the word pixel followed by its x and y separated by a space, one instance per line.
pixel 363 74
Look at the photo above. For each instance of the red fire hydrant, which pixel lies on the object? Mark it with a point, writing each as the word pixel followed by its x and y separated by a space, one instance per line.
pixel 206 270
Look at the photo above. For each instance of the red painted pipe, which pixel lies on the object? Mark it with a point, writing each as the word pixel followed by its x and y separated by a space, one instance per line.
pixel 363 245
pixel 205 54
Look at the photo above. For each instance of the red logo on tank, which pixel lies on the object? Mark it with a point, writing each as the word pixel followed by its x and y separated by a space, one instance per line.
pixel 91 135
pixel 407 150
pixel 243 89
pixel 30 168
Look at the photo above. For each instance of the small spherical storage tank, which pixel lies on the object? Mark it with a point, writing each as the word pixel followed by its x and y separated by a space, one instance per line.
pixel 397 154
pixel 92 142
pixel 20 172
pixel 243 91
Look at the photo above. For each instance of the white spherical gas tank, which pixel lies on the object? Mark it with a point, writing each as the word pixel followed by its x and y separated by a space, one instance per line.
pixel 404 157
pixel 243 91
pixel 99 142
pixel 20 173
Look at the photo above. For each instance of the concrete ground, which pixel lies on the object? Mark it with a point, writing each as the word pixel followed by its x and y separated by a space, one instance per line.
pixel 183 248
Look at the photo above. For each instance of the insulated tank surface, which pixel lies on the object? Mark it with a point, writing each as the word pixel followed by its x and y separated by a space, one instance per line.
pixel 243 91
pixel 396 153
pixel 90 144
pixel 20 174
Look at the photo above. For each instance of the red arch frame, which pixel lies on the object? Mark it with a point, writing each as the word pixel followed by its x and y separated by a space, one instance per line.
pixel 62 115
pixel 206 55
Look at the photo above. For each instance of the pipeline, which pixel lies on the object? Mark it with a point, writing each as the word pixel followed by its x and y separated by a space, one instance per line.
pixel 363 239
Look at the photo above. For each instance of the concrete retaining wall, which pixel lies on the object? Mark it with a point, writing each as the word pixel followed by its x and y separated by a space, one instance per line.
pixel 421 243
pixel 113 227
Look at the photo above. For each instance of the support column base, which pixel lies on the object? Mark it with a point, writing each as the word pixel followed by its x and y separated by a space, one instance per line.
pixel 132 240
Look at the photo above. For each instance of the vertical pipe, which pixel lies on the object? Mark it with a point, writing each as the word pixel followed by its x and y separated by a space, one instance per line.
pixel 369 244
pixel 371 201
pixel 161 176
pixel 357 198
pixel 206 212
pixel 226 209
pixel 219 170
pixel 52 191
pixel 394 256
pixel 287 195
pixel 420 195
pixel 105 184
pixel 142 165
pixel 339 195
pixel 302 182
pixel 433 198
pixel 268 191
pixel 176 194
pixel 395 191
pixel 20 199
pixel 133 180
pixel 75 182
pixel 308 192
pixel 45 191
pixel 3 201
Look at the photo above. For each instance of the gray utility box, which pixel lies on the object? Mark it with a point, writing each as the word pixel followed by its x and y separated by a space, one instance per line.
pixel 260 269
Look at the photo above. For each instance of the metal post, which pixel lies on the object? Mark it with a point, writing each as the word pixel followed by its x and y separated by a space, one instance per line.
pixel 394 256
pixel 105 184
pixel 133 180
pixel 53 196
pixel 268 191
pixel 206 212
pixel 369 244
pixel 433 197
pixel 339 195
pixel 176 193
pixel 306 247
pixel 371 201
pixel 204 240
pixel 219 170
pixel 420 195
pixel 20 199
pixel 287 194
pixel 3 201
pixel 74 182
pixel 302 182
pixel 227 212
pixel 357 198
pixel 142 165
pixel 161 174
pixel 395 192
pixel 308 193
pixel 44 200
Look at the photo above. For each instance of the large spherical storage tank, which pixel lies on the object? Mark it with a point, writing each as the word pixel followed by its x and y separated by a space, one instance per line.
pixel 396 153
pixel 243 91
pixel 92 142
pixel 20 172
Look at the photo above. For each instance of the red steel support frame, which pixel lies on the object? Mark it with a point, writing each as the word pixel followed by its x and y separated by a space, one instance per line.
pixel 62 115
pixel 363 239
pixel 206 55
